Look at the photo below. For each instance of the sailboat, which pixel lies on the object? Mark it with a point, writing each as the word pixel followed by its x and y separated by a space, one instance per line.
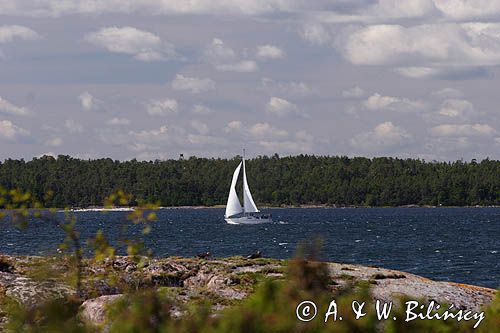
pixel 249 213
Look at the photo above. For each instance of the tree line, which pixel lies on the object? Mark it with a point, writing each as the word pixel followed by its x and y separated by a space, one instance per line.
pixel 274 180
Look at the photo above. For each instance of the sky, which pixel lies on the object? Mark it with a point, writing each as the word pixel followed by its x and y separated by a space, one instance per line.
pixel 152 79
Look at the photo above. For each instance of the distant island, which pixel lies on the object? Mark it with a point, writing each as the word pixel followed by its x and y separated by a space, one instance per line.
pixel 291 181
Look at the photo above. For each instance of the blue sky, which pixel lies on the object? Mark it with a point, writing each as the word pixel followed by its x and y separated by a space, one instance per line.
pixel 152 79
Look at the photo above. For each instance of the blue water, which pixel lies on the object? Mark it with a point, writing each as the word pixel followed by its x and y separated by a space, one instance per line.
pixel 450 244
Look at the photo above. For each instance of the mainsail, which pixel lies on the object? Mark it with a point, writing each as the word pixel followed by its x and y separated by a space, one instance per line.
pixel 249 213
pixel 248 203
pixel 233 206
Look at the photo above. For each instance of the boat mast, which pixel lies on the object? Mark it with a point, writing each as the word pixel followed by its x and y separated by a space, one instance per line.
pixel 244 175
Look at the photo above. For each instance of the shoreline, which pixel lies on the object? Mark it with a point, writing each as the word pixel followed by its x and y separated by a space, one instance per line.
pixel 131 208
pixel 230 278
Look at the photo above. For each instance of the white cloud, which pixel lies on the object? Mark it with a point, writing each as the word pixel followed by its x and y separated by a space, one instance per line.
pixel 442 45
pixel 202 109
pixel 118 121
pixel 151 142
pixel 393 11
pixel 54 142
pixel 387 9
pixel 304 136
pixel 443 72
pixel 192 84
pixel 224 58
pixel 379 102
pixel 315 33
pixel 284 88
pixel 286 147
pixel 381 10
pixel 12 133
pixel 162 107
pixel 151 136
pixel 383 136
pixel 233 126
pixel 467 9
pixel 73 127
pixel 443 145
pixel 87 101
pixel 55 8
pixel 142 45
pixel 218 52
pixel 269 52
pixel 302 142
pixel 7 107
pixel 243 66
pixel 111 136
pixel 264 130
pixel 384 44
pixel 281 107
pixel 8 33
pixel 200 127
pixel 418 72
pixel 456 108
pixel 353 92
pixel 205 140
pixel 447 93
pixel 466 130
pixel 157 139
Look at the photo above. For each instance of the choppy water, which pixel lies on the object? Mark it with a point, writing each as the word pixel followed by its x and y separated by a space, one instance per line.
pixel 451 244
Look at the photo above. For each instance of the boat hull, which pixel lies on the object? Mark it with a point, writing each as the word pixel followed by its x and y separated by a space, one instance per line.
pixel 249 220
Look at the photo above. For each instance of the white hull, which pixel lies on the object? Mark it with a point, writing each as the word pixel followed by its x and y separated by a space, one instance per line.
pixel 248 220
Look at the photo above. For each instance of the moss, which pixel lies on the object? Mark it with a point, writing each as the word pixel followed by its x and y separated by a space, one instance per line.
pixel 247 280
pixel 169 292
pixel 206 296
pixel 346 277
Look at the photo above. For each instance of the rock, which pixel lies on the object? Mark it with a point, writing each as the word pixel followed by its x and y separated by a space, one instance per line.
pixel 216 283
pixel 391 284
pixel 223 279
pixel 130 268
pixel 255 268
pixel 29 292
pixel 230 293
pixel 199 280
pixel 94 310
pixel 99 287
pixel 168 274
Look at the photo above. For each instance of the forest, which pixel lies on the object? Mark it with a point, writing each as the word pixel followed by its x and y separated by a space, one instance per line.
pixel 274 180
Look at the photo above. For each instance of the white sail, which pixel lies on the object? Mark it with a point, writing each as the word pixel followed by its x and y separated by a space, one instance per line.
pixel 248 203
pixel 233 206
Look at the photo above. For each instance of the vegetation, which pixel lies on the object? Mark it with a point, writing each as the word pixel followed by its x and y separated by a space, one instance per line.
pixel 293 180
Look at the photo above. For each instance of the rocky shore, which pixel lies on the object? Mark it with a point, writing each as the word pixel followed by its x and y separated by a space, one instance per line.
pixel 31 280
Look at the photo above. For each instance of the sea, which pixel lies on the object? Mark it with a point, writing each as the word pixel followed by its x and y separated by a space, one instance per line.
pixel 449 244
